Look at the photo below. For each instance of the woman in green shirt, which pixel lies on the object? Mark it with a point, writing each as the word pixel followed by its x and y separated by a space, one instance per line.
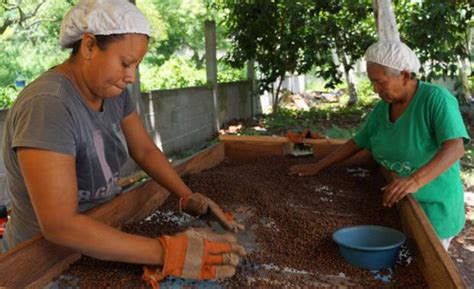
pixel 417 132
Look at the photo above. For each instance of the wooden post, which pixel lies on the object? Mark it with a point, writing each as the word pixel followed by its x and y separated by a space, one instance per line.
pixel 254 103
pixel 211 67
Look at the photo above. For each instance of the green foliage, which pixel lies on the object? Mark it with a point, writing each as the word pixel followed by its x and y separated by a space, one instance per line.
pixel 467 165
pixel 250 131
pixel 315 84
pixel 29 45
pixel 179 72
pixel 227 73
pixel 8 95
pixel 337 28
pixel 174 73
pixel 365 92
pixel 269 32
pixel 339 133
pixel 284 119
pixel 471 84
pixel 331 121
pixel 28 42
pixel 283 36
pixel 179 29
pixel 437 30
pixel 297 36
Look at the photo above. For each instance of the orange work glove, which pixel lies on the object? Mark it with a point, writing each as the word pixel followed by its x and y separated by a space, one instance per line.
pixel 198 254
pixel 197 204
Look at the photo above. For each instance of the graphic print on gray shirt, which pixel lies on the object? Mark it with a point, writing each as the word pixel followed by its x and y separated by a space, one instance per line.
pixel 50 114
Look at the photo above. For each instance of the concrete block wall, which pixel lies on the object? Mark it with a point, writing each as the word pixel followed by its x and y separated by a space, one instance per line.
pixel 235 101
pixel 179 119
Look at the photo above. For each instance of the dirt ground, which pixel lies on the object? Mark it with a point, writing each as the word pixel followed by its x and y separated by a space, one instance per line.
pixel 461 249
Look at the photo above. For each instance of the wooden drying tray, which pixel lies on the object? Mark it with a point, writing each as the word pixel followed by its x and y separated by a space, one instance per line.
pixel 437 267
pixel 35 263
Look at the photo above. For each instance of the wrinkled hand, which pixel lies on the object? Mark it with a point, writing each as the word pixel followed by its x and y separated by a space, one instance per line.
pixel 198 254
pixel 304 170
pixel 197 205
pixel 398 189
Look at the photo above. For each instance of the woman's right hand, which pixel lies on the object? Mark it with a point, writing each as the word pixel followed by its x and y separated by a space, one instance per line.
pixel 305 169
pixel 197 204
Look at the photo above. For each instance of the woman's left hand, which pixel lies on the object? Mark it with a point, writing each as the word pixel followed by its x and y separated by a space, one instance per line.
pixel 398 189
pixel 197 204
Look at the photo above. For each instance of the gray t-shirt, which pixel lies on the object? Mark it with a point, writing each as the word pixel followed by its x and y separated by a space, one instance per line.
pixel 50 114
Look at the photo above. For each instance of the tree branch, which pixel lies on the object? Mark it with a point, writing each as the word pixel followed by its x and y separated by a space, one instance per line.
pixel 23 17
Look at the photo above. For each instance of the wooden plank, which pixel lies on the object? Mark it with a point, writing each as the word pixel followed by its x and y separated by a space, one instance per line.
pixel 437 267
pixel 125 207
pixel 275 139
pixel 251 147
pixel 206 159
pixel 249 151
pixel 31 261
pixel 53 271
pixel 252 139
pixel 129 180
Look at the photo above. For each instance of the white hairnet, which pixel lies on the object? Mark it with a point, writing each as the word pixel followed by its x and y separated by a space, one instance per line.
pixel 101 17
pixel 393 54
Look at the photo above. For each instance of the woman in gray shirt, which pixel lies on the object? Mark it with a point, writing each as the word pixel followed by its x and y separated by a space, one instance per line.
pixel 71 130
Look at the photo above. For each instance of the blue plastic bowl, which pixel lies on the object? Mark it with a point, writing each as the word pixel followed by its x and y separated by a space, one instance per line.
pixel 369 247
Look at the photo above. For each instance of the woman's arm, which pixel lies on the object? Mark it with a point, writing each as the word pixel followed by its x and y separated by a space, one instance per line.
pixel 51 181
pixel 149 157
pixel 450 151
pixel 340 154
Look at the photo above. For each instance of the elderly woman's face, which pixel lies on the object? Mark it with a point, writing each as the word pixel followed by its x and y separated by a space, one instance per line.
pixel 388 87
pixel 109 71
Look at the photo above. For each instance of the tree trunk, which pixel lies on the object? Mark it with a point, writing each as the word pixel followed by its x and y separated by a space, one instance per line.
pixel 198 60
pixel 349 74
pixel 464 68
pixel 276 95
pixel 466 89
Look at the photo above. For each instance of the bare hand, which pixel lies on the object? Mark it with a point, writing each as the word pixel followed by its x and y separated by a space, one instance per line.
pixel 398 189
pixel 225 219
pixel 304 170
pixel 197 204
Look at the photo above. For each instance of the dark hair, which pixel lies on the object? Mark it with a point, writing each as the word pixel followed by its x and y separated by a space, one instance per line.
pixel 102 41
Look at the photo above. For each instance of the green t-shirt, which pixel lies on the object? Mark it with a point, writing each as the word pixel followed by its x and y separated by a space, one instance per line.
pixel 412 140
